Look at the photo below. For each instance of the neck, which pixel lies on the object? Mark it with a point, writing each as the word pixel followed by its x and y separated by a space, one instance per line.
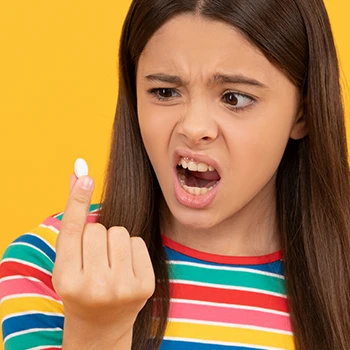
pixel 251 231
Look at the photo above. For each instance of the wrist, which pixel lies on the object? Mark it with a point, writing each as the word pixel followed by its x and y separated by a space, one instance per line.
pixel 87 336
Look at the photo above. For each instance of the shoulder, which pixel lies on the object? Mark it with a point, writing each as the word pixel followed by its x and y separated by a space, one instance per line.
pixel 31 311
pixel 36 249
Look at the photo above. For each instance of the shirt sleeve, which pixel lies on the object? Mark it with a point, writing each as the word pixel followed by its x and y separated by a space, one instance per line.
pixel 31 312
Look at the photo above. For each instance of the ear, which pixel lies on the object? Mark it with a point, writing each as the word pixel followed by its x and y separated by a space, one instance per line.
pixel 299 129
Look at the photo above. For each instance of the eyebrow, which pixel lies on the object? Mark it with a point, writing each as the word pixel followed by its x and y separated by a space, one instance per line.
pixel 215 80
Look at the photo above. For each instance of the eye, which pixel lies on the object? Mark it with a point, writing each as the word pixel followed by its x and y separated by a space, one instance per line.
pixel 238 101
pixel 162 94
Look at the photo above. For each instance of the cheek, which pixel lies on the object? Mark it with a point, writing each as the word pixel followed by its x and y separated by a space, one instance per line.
pixel 257 147
pixel 156 131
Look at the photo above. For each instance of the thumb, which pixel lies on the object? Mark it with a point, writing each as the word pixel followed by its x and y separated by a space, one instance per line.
pixel 73 180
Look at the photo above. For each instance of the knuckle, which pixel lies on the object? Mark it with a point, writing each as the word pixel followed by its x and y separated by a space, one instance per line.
pixel 81 198
pixel 134 291
pixel 138 242
pixel 119 230
pixel 72 227
pixel 124 295
pixel 95 227
pixel 147 288
pixel 65 289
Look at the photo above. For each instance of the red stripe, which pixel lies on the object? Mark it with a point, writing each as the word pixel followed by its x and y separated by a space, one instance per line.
pixel 12 268
pixel 222 259
pixel 227 296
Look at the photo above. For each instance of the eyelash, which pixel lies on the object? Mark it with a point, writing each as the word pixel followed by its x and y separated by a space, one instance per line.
pixel 155 94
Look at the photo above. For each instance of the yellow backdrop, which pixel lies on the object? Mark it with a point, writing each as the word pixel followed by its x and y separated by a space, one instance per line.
pixel 58 91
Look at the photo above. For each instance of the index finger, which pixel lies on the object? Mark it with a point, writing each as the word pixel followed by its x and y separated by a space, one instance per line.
pixel 69 245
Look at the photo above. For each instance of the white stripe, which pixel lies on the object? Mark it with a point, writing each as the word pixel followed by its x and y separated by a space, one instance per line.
pixel 228 325
pixel 32 330
pixel 16 277
pixel 24 262
pixel 41 238
pixel 54 229
pixel 31 246
pixel 229 306
pixel 31 312
pixel 227 268
pixel 214 342
pixel 29 295
pixel 223 286
pixel 45 347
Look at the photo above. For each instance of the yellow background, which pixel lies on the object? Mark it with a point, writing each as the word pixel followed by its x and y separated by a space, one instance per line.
pixel 58 73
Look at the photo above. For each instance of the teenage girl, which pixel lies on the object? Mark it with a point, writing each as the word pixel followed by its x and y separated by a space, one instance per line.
pixel 224 223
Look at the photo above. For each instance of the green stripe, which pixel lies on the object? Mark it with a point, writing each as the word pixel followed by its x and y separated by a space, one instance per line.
pixel 227 277
pixel 33 339
pixel 30 255
pixel 94 206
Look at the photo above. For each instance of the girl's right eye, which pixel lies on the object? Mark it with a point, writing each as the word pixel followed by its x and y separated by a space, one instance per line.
pixel 163 94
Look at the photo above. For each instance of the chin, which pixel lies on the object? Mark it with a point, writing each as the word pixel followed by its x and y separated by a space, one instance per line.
pixel 196 219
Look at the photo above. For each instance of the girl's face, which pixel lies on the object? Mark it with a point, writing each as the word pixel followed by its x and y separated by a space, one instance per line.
pixel 208 99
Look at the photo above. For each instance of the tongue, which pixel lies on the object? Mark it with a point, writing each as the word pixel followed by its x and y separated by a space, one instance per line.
pixel 199 179
pixel 208 175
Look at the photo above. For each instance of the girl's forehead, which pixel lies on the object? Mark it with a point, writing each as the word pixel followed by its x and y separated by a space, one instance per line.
pixel 193 47
pixel 193 32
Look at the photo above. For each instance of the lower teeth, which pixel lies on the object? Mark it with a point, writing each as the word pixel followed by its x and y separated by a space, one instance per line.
pixel 197 191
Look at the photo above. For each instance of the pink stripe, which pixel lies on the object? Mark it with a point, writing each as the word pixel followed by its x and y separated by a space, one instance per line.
pixel 229 315
pixel 25 286
pixel 51 221
pixel 92 218
pixel 56 223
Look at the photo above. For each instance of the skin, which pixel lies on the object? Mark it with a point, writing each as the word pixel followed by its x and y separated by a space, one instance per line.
pixel 247 144
pixel 112 273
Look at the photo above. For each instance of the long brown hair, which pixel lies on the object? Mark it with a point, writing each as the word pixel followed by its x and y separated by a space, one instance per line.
pixel 313 205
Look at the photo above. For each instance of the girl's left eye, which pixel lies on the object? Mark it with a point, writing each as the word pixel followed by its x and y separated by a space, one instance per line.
pixel 235 100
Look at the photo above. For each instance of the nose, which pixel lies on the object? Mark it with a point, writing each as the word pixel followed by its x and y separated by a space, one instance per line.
pixel 197 125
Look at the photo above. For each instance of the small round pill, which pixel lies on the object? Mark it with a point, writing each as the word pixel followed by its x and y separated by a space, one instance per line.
pixel 81 167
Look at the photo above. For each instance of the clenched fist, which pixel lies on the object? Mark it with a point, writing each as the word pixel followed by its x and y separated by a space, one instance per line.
pixel 104 277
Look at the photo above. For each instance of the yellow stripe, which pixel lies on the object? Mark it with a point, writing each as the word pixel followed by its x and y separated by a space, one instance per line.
pixel 47 234
pixel 229 334
pixel 27 303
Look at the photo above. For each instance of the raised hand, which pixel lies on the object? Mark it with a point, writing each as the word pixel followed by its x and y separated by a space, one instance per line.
pixel 104 277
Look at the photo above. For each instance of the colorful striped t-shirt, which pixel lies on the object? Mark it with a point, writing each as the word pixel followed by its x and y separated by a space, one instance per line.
pixel 217 302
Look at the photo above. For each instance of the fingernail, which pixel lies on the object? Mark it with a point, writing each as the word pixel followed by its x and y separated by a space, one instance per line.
pixel 87 183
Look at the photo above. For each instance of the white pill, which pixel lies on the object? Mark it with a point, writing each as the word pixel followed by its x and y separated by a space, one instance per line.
pixel 80 167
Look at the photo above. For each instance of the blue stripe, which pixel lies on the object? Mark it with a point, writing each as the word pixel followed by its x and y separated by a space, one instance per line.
pixel 274 267
pixel 38 243
pixel 35 320
pixel 183 345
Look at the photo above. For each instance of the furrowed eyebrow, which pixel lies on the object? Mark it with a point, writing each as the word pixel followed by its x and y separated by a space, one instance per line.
pixel 165 78
pixel 236 79
pixel 217 79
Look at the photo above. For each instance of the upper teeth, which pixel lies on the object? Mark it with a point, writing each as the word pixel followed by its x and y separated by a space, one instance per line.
pixel 191 165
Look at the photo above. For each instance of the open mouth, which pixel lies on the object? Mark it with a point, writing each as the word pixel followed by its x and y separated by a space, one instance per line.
pixel 196 178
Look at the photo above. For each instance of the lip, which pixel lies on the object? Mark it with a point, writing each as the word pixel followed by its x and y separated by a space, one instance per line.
pixel 199 157
pixel 185 198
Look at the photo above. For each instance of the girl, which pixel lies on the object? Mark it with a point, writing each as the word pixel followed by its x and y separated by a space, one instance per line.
pixel 224 222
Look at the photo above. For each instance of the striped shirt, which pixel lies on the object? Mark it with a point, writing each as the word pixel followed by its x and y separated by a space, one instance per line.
pixel 217 302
